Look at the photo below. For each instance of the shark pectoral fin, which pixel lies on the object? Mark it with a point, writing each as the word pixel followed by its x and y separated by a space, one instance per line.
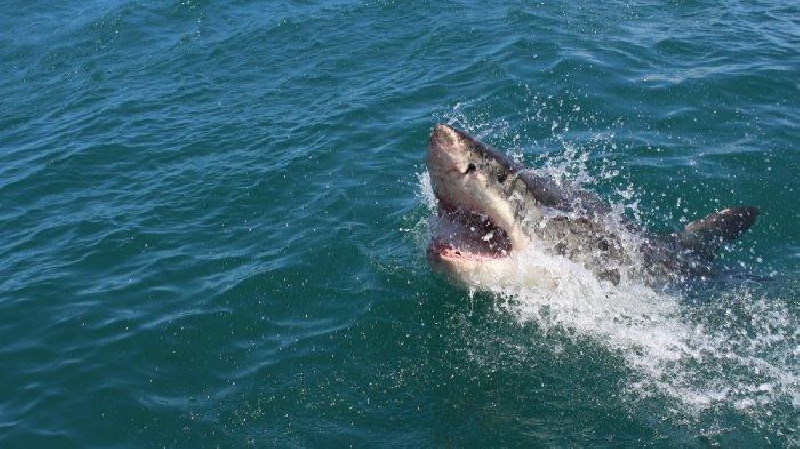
pixel 704 237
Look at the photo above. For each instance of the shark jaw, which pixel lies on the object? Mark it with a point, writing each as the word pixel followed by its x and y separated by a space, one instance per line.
pixel 467 234
pixel 468 249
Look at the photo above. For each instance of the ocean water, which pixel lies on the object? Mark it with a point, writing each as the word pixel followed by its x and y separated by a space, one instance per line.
pixel 213 219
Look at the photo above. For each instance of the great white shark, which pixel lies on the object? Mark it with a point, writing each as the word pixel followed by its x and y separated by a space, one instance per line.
pixel 493 214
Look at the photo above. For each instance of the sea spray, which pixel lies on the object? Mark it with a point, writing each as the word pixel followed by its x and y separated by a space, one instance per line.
pixel 736 350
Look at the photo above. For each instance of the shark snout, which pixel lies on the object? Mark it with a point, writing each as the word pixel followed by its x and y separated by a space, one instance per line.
pixel 445 151
pixel 443 137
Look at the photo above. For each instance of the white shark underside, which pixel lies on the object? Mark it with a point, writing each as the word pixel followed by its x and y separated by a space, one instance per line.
pixel 492 213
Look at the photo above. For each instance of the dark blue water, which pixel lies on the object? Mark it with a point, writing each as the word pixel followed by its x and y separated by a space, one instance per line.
pixel 213 222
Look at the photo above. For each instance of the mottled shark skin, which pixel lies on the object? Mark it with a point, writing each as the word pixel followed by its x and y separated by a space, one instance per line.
pixel 491 210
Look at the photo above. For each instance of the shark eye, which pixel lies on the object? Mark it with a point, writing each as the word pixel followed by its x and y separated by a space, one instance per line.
pixel 501 178
pixel 471 168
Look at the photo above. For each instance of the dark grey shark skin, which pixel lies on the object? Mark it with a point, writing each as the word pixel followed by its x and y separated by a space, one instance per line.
pixel 475 183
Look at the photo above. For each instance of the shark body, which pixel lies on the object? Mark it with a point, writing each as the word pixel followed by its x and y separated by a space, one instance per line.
pixel 492 211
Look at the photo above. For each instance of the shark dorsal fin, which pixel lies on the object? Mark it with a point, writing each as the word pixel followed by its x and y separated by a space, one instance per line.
pixel 707 235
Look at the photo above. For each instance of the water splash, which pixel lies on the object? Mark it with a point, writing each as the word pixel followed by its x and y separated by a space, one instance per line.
pixel 734 350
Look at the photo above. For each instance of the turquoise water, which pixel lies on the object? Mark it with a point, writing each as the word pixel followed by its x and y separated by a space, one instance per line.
pixel 213 221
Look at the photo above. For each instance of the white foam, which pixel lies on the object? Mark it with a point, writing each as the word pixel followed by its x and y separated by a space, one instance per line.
pixel 704 356
pixel 734 350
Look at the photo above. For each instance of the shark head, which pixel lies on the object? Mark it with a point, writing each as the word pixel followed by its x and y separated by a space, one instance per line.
pixel 478 226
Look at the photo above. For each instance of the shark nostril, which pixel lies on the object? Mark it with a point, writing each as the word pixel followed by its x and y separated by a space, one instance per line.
pixel 471 168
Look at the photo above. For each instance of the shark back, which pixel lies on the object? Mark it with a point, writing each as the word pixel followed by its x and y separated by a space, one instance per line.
pixel 582 227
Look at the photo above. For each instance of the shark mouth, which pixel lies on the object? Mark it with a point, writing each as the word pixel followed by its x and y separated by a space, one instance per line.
pixel 461 234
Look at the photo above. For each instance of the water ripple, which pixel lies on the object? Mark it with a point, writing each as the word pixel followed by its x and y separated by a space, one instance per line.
pixel 210 229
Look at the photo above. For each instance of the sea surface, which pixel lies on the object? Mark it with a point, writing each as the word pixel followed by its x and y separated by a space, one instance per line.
pixel 214 214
